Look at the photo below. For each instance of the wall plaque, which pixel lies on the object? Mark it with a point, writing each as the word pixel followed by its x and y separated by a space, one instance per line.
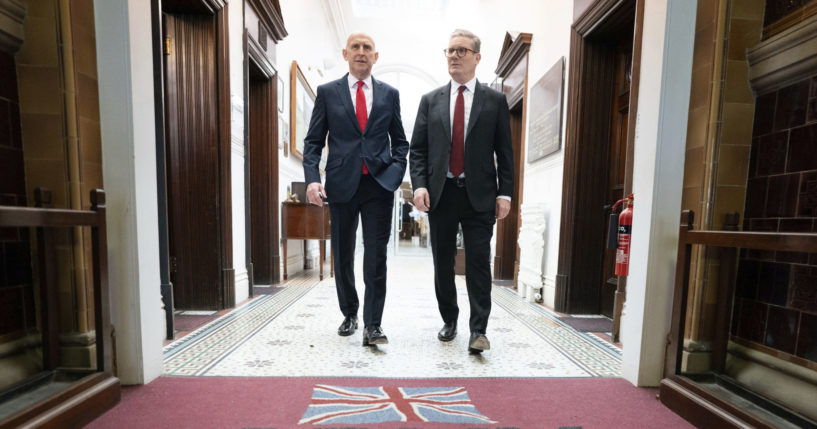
pixel 545 110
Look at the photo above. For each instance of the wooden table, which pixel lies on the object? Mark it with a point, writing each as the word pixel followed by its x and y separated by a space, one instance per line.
pixel 301 221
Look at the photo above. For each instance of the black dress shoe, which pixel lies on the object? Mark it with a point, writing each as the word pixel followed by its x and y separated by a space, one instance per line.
pixel 448 332
pixel 478 343
pixel 374 335
pixel 348 326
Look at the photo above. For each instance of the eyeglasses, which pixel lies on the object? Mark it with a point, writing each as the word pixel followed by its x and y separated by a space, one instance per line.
pixel 460 52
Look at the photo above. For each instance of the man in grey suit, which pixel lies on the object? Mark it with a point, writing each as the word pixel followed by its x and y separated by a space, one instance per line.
pixel 461 128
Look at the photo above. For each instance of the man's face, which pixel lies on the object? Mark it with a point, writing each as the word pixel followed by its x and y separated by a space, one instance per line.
pixel 462 69
pixel 360 54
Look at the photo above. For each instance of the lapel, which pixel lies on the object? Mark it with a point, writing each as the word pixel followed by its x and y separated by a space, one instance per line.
pixel 476 107
pixel 342 87
pixel 444 109
pixel 378 94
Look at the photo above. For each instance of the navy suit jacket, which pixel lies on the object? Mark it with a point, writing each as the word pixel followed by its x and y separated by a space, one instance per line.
pixel 382 145
pixel 488 148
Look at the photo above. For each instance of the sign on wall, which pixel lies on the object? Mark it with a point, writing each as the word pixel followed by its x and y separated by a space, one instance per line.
pixel 545 108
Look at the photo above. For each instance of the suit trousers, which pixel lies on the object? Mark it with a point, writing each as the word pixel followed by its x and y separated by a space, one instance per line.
pixel 454 209
pixel 373 205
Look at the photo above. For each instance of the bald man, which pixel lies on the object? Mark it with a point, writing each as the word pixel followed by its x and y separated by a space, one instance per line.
pixel 367 161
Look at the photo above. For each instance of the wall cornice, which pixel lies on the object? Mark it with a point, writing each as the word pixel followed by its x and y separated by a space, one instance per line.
pixel 12 32
pixel 513 53
pixel 269 12
pixel 784 58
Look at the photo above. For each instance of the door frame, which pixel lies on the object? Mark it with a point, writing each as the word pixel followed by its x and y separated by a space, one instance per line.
pixel 514 55
pixel 166 287
pixel 587 137
pixel 255 55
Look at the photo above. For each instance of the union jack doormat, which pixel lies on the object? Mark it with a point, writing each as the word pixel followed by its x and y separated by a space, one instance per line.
pixel 358 405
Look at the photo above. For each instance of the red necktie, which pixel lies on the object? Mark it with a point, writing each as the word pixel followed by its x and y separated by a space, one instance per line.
pixel 360 112
pixel 457 163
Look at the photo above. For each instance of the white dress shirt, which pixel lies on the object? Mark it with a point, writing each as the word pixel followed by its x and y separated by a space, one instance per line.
pixel 367 91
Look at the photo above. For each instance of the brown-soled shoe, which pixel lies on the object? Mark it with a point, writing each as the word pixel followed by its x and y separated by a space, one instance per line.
pixel 348 326
pixel 373 335
pixel 478 343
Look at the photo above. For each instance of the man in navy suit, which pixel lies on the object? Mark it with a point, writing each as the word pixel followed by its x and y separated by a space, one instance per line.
pixel 366 164
pixel 461 129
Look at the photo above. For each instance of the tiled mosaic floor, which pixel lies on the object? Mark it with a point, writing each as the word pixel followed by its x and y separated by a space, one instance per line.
pixel 293 333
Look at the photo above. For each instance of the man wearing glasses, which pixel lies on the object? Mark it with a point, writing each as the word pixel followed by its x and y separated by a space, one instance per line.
pixel 366 164
pixel 460 129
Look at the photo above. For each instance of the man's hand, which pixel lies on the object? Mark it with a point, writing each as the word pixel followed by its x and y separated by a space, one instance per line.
pixel 503 206
pixel 421 200
pixel 314 192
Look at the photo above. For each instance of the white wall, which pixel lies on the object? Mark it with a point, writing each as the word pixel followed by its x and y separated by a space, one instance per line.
pixel 660 142
pixel 123 40
pixel 549 22
pixel 235 10
pixel 310 42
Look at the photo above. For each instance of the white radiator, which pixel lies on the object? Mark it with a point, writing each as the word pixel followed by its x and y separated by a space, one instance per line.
pixel 531 250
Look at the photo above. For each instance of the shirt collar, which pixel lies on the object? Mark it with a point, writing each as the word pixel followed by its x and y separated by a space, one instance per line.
pixel 471 84
pixel 353 81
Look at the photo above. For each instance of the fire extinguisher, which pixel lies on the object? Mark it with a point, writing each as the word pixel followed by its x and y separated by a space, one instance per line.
pixel 623 233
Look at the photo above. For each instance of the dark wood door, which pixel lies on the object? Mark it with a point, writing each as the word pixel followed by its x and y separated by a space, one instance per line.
pixel 193 164
pixel 617 162
pixel 507 235
pixel 263 151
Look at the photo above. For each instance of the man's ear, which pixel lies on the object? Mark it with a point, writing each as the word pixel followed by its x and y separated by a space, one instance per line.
pixel 376 56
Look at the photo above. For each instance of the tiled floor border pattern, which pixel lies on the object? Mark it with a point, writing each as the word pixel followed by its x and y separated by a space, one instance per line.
pixel 198 351
pixel 600 358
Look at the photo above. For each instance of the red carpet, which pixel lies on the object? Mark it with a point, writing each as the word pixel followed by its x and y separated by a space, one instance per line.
pixel 214 402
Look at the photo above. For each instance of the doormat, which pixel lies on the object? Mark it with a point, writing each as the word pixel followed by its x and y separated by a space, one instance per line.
pixel 185 323
pixel 589 324
pixel 266 290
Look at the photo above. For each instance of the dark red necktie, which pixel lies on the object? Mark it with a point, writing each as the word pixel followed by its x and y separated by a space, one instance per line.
pixel 360 112
pixel 457 163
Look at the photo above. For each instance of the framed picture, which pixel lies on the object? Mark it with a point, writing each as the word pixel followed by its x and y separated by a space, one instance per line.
pixel 302 101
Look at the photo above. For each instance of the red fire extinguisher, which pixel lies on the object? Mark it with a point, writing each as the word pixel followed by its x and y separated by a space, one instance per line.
pixel 625 225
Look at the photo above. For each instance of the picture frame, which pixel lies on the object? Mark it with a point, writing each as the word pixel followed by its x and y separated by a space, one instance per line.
pixel 302 101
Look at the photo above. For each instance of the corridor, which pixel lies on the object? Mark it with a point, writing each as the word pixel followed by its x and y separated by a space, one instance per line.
pixel 283 334
pixel 281 351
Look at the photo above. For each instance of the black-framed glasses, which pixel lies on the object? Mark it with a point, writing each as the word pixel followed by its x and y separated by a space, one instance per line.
pixel 459 52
